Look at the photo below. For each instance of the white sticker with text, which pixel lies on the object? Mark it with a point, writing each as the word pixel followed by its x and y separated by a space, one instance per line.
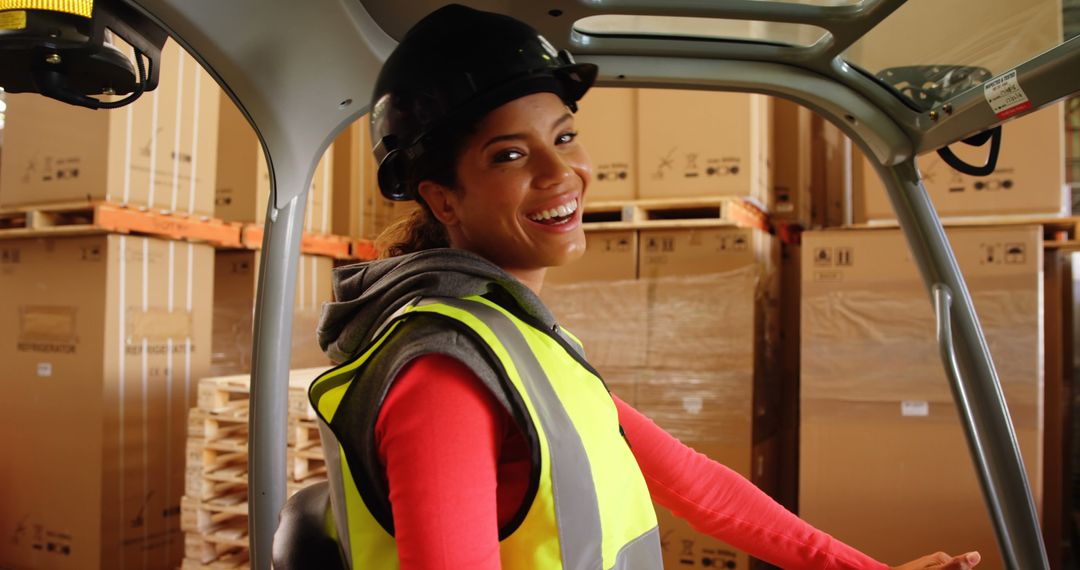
pixel 1005 96
pixel 915 408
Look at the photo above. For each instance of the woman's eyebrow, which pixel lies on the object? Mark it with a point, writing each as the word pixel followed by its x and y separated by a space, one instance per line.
pixel 518 136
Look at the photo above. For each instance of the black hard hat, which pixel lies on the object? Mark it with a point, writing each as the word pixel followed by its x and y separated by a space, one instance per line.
pixel 456 65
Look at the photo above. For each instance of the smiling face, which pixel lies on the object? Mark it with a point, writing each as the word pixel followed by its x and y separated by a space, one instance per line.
pixel 521 178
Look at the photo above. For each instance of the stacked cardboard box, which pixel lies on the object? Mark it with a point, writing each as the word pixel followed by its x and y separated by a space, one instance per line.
pixel 235 279
pixel 1029 179
pixel 884 462
pixel 109 333
pixel 691 348
pixel 214 509
pixel 606 123
pixel 106 340
pixel 791 157
pixel 160 152
pixel 242 188
pixel 360 210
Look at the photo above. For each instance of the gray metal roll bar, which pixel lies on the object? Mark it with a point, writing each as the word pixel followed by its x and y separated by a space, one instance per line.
pixel 301 72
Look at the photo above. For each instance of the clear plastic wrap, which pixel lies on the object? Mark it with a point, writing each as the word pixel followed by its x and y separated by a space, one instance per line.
pixel 234 304
pixel 877 345
pixel 686 351
pixel 610 318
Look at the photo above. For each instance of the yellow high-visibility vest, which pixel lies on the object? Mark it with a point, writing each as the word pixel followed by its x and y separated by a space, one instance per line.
pixel 591 508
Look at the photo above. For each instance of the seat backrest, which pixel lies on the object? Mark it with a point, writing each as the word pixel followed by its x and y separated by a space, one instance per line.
pixel 303 538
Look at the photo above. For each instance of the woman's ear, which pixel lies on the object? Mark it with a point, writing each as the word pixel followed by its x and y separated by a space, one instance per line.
pixel 441 200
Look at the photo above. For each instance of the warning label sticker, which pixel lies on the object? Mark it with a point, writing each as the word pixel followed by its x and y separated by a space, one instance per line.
pixel 1005 96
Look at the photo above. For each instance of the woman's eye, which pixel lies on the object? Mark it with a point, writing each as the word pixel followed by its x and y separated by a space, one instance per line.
pixel 566 138
pixel 508 155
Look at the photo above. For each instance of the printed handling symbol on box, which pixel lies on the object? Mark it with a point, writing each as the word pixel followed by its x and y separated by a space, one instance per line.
pixel 991 253
pixel 844 256
pixel 687 554
pixel 1015 253
pixel 823 256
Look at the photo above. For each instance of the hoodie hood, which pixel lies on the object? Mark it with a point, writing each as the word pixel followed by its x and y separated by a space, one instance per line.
pixel 368 293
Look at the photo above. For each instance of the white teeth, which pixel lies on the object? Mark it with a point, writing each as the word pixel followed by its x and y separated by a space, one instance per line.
pixel 558 212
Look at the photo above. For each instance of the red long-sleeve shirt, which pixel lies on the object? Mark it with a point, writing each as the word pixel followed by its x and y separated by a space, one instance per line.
pixel 458 468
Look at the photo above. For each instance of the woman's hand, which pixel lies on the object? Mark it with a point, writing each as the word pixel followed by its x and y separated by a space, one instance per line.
pixel 942 561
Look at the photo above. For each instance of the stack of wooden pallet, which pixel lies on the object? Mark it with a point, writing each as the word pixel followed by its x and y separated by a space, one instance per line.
pixel 214 509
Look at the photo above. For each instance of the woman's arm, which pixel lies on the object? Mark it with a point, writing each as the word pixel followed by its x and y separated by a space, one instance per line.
pixel 719 502
pixel 438 433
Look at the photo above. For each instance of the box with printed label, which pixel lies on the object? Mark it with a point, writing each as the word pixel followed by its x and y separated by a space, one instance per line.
pixel 243 178
pixel 235 276
pixel 697 251
pixel 606 123
pixel 609 256
pixel 99 377
pixel 791 164
pixel 1029 179
pixel 702 143
pixel 159 152
pixel 877 411
pixel 681 545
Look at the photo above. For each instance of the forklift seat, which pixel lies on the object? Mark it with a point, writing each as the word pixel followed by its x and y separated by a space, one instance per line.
pixel 305 536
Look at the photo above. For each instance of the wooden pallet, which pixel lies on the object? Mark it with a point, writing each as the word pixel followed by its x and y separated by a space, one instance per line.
pixel 674 213
pixel 230 395
pixel 87 218
pixel 226 547
pixel 1057 232
pixel 232 426
pixel 211 516
pixel 337 247
pixel 363 249
pixel 304 434
pixel 307 465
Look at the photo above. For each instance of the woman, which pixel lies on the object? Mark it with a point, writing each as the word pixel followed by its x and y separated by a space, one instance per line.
pixel 470 429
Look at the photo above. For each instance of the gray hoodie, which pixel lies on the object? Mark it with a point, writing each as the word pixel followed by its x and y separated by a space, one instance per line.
pixel 368 293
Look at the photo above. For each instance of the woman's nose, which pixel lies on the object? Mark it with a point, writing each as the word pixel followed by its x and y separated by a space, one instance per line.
pixel 553 169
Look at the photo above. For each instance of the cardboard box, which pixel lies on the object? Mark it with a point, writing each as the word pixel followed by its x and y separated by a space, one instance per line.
pixel 998 35
pixel 243 178
pixel 621 381
pixel 684 547
pixel 235 280
pixel 98 380
pixel 791 174
pixel 159 152
pixel 1029 179
pixel 609 256
pixel 1058 396
pixel 830 170
pixel 360 210
pixel 704 322
pixel 606 123
pixel 354 167
pixel 884 464
pixel 697 251
pixel 609 317
pixel 703 143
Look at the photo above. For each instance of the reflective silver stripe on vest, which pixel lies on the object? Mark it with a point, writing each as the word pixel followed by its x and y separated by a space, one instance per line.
pixel 642 553
pixel 576 507
pixel 332 452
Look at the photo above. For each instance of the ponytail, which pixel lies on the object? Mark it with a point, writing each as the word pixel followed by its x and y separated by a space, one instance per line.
pixel 415 232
